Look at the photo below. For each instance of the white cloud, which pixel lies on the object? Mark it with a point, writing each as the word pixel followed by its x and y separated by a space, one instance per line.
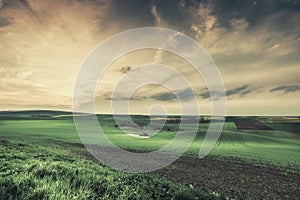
pixel 239 24
pixel 158 20
pixel 43 44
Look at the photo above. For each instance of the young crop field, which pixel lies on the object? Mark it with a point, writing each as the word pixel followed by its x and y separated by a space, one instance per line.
pixel 42 157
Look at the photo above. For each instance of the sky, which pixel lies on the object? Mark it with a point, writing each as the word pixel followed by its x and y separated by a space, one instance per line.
pixel 254 44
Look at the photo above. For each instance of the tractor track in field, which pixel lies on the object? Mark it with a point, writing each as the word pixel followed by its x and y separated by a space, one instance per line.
pixel 234 138
pixel 218 142
pixel 199 136
pixel 241 140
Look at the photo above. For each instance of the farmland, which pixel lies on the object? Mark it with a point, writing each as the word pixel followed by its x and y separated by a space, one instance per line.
pixel 42 156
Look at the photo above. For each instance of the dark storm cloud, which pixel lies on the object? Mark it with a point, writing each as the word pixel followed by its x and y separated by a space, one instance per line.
pixel 212 94
pixel 187 94
pixel 119 97
pixel 135 98
pixel 239 91
pixel 183 95
pixel 243 90
pixel 286 88
pixel 164 96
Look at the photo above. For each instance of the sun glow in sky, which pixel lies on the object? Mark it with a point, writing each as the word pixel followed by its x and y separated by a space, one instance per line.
pixel 255 44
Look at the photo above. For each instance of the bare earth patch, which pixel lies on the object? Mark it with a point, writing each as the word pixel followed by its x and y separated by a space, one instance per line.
pixel 251 125
pixel 232 177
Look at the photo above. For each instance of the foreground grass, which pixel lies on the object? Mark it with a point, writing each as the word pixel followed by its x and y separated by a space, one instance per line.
pixel 44 159
pixel 31 171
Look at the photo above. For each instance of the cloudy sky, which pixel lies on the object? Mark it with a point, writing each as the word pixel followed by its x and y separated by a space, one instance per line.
pixel 255 44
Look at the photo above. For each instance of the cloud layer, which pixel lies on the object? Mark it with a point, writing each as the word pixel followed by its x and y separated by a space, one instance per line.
pixel 255 44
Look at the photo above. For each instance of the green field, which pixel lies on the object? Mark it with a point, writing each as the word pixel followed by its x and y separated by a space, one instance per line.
pixel 42 157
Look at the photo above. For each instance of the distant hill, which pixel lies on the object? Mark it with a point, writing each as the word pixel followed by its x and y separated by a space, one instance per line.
pixel 39 114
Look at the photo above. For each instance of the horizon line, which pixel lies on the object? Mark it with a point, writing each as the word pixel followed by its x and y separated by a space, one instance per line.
pixel 173 114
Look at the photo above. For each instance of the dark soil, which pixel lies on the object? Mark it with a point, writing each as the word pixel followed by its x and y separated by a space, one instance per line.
pixel 234 178
pixel 229 176
pixel 251 125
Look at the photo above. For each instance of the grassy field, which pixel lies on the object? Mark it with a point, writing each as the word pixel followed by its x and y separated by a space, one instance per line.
pixel 42 157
